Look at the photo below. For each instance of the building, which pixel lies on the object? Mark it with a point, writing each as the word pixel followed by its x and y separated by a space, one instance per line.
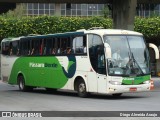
pixel 148 10
pixel 34 9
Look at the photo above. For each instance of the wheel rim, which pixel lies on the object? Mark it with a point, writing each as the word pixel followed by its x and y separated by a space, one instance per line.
pixel 82 88
pixel 21 85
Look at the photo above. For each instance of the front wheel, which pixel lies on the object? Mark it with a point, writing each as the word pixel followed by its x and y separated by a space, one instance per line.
pixel 81 88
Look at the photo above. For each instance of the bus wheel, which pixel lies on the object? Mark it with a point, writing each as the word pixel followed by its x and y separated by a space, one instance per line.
pixel 81 88
pixel 116 94
pixel 21 84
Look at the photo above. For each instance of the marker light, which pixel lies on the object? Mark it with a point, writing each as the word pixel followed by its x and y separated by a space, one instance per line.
pixel 146 82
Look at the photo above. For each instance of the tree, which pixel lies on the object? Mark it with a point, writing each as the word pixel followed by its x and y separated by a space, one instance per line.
pixel 16 13
pixel 105 11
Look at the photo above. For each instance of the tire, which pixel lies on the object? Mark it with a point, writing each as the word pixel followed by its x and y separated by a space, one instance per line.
pixel 81 88
pixel 117 94
pixel 21 84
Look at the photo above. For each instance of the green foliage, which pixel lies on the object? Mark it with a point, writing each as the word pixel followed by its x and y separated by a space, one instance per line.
pixel 14 27
pixel 105 11
pixel 150 27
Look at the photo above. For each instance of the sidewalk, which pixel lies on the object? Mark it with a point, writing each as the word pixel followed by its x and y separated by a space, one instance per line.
pixel 156 82
pixel 155 78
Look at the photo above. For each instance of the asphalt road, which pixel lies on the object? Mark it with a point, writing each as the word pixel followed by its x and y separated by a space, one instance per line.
pixel 11 99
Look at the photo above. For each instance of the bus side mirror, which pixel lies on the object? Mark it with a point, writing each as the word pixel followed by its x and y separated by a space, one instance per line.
pixel 151 45
pixel 107 50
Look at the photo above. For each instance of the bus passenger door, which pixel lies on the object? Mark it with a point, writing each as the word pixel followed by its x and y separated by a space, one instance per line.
pixel 97 60
pixel 101 71
pixel 92 81
pixel 102 83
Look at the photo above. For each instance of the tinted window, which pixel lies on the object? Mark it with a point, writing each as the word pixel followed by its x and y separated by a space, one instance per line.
pixel 55 45
pixel 15 48
pixel 5 48
pixel 96 53
pixel 79 44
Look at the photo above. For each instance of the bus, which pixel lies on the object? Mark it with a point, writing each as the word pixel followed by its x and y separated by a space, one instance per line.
pixel 97 60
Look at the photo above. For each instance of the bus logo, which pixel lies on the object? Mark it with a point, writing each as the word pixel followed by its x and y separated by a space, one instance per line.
pixel 6 114
pixel 42 65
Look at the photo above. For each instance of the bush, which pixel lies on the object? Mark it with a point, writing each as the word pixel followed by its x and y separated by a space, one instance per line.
pixel 150 27
pixel 13 27
pixel 48 24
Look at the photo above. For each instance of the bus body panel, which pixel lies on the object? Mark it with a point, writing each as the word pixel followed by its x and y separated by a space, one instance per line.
pixel 127 88
pixel 127 83
pixel 47 71
pixel 6 67
pixel 41 72
pixel 83 68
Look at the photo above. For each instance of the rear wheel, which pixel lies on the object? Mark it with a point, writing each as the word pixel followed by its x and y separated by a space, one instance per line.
pixel 81 88
pixel 21 84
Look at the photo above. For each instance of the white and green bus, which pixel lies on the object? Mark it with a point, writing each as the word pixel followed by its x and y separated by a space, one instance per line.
pixel 105 61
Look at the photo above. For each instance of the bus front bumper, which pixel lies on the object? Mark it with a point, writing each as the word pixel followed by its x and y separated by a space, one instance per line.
pixel 112 89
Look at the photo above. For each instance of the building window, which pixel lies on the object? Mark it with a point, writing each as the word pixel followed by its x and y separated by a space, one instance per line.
pixel 82 10
pixel 34 9
pixel 40 9
pixel 148 10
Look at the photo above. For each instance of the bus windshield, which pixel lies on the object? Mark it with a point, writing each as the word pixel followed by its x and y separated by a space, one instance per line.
pixel 129 55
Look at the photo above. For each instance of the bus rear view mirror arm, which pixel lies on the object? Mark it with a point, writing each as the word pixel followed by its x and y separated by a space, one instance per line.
pixel 151 45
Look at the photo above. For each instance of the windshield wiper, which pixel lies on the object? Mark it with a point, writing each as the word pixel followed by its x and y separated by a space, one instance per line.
pixel 132 64
pixel 134 60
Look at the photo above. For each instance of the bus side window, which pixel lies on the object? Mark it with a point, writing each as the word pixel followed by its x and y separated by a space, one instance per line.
pixel 41 47
pixel 18 52
pixel 54 46
pixel 14 47
pixel 96 53
pixel 48 48
pixel 5 48
pixel 35 47
pixel 24 47
pixel 10 49
pixel 79 45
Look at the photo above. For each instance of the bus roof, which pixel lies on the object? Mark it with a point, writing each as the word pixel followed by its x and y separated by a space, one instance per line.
pixel 56 35
pixel 100 31
pixel 112 32
pixel 12 39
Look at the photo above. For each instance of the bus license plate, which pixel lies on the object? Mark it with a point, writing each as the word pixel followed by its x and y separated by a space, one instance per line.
pixel 133 89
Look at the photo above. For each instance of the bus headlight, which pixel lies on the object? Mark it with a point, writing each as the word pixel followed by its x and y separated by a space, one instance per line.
pixel 146 82
pixel 115 82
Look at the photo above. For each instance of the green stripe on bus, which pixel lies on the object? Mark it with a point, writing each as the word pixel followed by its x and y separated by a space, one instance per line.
pixel 42 71
pixel 135 80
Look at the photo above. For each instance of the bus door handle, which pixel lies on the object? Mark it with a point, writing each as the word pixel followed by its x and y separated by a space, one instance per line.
pixel 98 77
